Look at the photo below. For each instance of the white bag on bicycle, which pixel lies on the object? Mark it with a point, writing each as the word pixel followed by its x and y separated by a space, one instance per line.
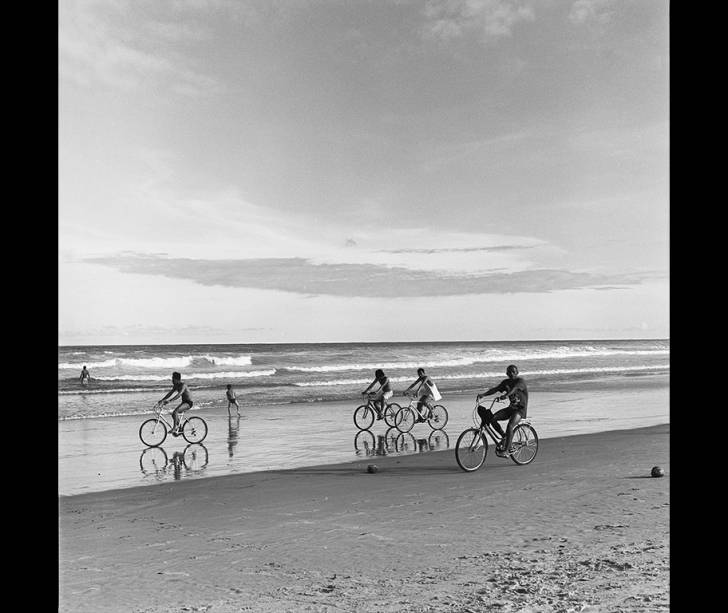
pixel 434 392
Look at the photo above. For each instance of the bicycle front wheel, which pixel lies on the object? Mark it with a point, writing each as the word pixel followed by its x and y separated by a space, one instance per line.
pixel 194 430
pixel 390 412
pixel 153 432
pixel 439 417
pixel 405 419
pixel 471 449
pixel 363 417
pixel 525 444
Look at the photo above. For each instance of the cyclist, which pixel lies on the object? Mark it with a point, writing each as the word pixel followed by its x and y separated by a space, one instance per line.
pixel 514 388
pixel 182 390
pixel 383 393
pixel 428 392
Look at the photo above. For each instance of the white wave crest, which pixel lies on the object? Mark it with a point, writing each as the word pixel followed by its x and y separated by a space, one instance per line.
pixel 183 361
pixel 202 375
pixel 240 360
pixel 498 374
pixel 485 357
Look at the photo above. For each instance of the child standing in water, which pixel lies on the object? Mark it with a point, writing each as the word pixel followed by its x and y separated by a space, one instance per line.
pixel 232 400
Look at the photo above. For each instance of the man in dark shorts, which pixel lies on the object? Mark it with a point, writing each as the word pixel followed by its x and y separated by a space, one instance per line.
pixel 514 388
pixel 182 390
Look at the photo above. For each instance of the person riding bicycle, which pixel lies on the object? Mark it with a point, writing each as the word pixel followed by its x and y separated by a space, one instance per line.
pixel 383 393
pixel 514 388
pixel 427 391
pixel 182 390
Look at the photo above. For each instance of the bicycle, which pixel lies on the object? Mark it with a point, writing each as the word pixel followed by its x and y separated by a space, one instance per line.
pixel 154 430
pixel 364 414
pixel 407 417
pixel 472 445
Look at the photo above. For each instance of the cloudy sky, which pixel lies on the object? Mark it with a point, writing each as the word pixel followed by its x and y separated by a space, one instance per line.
pixel 352 170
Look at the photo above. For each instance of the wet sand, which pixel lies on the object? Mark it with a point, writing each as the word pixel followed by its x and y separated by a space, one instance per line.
pixel 582 528
pixel 105 454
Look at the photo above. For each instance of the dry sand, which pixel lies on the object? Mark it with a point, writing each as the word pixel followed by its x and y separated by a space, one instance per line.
pixel 583 528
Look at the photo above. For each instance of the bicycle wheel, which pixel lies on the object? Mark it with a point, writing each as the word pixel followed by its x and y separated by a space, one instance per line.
pixel 389 413
pixel 471 449
pixel 153 461
pixel 194 430
pixel 195 457
pixel 405 419
pixel 405 443
pixel 364 443
pixel 363 417
pixel 438 439
pixel 439 417
pixel 153 432
pixel 525 441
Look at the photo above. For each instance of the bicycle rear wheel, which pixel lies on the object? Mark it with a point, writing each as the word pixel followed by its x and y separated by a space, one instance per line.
pixel 194 430
pixel 525 442
pixel 405 419
pixel 439 417
pixel 390 412
pixel 471 449
pixel 363 417
pixel 153 432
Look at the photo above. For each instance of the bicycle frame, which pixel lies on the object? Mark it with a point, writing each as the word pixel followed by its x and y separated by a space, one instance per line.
pixel 495 436
pixel 161 417
pixel 484 427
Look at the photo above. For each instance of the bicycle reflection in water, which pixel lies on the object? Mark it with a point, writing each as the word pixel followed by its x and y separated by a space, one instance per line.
pixel 155 463
pixel 394 441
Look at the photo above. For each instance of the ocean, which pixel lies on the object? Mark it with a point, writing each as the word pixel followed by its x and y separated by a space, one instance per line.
pixel 128 380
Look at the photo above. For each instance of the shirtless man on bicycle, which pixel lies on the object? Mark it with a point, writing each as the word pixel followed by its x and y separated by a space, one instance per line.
pixel 182 390
pixel 514 388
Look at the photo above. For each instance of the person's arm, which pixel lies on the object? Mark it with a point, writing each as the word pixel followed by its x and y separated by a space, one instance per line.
pixel 417 380
pixel 492 390
pixel 168 394
pixel 370 386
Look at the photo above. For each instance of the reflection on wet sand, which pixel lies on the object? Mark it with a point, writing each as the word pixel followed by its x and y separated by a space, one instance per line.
pixel 395 442
pixel 233 429
pixel 154 462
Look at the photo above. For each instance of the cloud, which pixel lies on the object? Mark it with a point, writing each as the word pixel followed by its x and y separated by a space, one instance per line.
pixel 460 249
pixel 451 19
pixel 590 11
pixel 301 276
pixel 124 45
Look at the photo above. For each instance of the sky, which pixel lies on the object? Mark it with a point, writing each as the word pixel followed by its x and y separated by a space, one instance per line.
pixel 234 171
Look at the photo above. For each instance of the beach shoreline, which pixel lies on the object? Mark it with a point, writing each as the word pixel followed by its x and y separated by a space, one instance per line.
pixel 583 526
pixel 106 453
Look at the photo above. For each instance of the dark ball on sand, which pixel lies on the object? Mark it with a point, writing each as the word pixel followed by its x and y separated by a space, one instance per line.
pixel 372 468
pixel 657 471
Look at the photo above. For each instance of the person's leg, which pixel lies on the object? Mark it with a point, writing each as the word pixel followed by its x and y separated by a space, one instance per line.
pixel 501 415
pixel 177 413
pixel 379 404
pixel 485 416
pixel 237 408
pixel 421 404
pixel 229 414
pixel 515 418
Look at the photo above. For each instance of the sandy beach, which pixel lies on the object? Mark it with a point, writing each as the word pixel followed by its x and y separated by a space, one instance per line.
pixel 583 528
